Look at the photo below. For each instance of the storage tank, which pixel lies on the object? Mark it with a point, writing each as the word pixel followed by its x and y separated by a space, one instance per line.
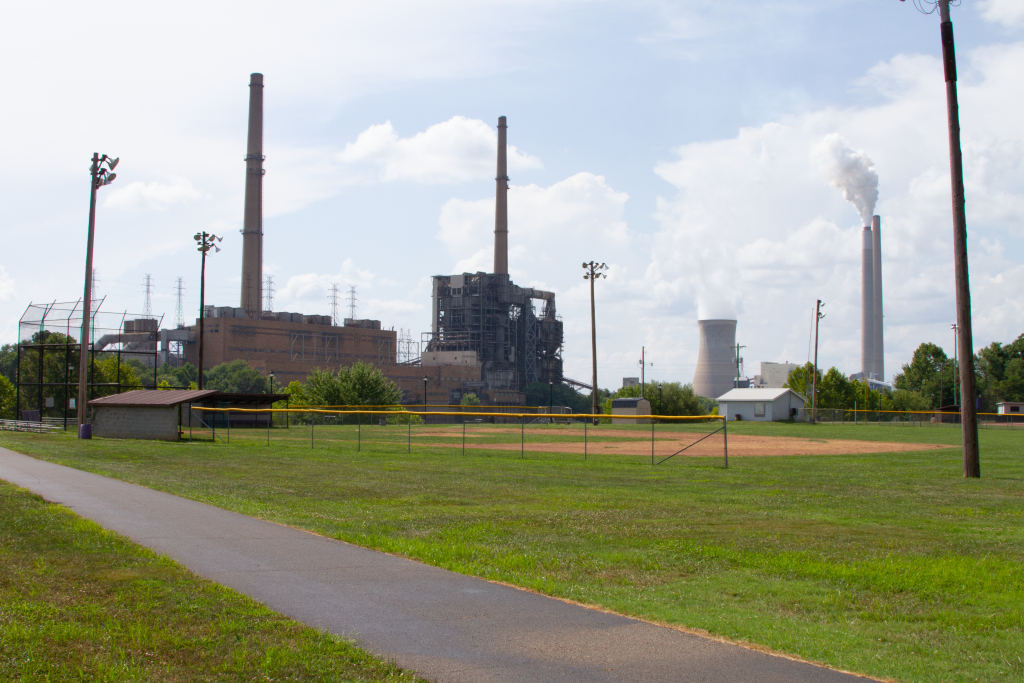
pixel 716 359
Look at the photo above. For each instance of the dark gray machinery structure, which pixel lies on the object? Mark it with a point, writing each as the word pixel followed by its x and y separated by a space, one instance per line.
pixel 485 313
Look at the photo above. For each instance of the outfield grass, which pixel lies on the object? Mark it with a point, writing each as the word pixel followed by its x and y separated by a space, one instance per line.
pixel 890 565
pixel 81 603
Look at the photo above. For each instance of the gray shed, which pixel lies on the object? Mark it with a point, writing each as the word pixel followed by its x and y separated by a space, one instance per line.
pixel 144 413
pixel 760 405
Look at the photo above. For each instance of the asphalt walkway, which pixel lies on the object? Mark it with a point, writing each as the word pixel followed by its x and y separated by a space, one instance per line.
pixel 446 626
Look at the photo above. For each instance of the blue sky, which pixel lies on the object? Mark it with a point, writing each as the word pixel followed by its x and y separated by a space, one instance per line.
pixel 679 142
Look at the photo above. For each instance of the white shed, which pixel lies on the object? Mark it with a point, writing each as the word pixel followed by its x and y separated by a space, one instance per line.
pixel 760 405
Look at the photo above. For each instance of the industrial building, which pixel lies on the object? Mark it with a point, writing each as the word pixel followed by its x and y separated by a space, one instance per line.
pixel 773 375
pixel 716 358
pixel 486 335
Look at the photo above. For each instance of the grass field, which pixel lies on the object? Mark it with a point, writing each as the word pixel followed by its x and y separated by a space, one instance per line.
pixel 80 603
pixel 886 564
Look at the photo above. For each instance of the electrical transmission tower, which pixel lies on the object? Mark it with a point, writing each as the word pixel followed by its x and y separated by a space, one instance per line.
pixel 268 288
pixel 179 309
pixel 147 308
pixel 352 302
pixel 332 294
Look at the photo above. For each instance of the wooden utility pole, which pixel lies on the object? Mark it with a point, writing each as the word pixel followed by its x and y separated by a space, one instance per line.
pixel 968 387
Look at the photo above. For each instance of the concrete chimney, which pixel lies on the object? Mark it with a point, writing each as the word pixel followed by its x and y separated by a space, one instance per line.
pixel 716 359
pixel 252 223
pixel 876 265
pixel 501 205
pixel 867 304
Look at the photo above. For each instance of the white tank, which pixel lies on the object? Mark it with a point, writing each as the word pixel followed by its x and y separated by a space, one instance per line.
pixel 716 359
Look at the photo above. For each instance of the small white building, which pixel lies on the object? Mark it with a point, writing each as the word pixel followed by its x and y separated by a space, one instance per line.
pixel 1010 408
pixel 760 405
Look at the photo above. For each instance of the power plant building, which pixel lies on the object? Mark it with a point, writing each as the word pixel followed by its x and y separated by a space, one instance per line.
pixel 716 358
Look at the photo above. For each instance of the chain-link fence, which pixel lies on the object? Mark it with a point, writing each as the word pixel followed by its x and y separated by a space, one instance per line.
pixel 908 418
pixel 649 439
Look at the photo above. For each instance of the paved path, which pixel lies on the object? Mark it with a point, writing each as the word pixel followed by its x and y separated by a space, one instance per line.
pixel 446 626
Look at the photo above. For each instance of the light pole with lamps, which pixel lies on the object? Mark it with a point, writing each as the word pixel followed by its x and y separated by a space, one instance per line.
pixel 593 273
pixel 424 393
pixel 271 381
pixel 98 177
pixel 205 242
pixel 661 398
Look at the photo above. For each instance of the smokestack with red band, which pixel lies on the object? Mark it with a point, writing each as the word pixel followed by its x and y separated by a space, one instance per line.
pixel 501 205
pixel 876 263
pixel 867 302
pixel 252 224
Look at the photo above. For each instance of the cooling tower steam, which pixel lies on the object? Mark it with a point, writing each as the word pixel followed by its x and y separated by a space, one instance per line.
pixel 852 172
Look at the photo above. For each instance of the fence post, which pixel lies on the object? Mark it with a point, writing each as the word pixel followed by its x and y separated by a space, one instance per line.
pixel 359 433
pixel 463 436
pixel 522 436
pixel 312 423
pixel 410 432
pixel 585 440
pixel 652 441
pixel 725 435
pixel 270 418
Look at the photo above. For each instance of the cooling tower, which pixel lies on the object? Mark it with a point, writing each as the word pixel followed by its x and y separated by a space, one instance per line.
pixel 867 305
pixel 252 222
pixel 501 205
pixel 876 264
pixel 716 360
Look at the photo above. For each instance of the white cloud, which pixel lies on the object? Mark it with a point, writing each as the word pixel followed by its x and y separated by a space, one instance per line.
pixel 6 285
pixel 456 150
pixel 1007 12
pixel 152 196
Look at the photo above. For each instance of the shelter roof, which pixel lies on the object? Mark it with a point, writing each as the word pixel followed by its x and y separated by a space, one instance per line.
pixel 154 397
pixel 217 396
pixel 761 394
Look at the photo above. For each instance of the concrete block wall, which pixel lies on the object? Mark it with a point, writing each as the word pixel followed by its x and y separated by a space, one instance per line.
pixel 135 422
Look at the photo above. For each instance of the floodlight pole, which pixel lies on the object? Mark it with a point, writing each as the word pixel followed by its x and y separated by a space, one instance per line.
pixel 818 315
pixel 968 387
pixel 202 312
pixel 593 272
pixel 97 176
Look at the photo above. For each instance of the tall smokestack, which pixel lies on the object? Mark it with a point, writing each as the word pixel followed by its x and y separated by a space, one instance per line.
pixel 867 315
pixel 501 205
pixel 876 264
pixel 252 224
pixel 716 358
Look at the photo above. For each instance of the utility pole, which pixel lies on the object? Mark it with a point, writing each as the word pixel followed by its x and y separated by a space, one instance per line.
pixel 98 177
pixel 643 365
pixel 818 315
pixel 738 361
pixel 593 273
pixel 968 387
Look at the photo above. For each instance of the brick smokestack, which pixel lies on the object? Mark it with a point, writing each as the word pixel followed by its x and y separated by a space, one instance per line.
pixel 252 224
pixel 867 306
pixel 876 264
pixel 501 205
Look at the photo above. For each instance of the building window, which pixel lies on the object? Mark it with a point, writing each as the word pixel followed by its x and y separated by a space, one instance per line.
pixel 1013 409
pixel 758 410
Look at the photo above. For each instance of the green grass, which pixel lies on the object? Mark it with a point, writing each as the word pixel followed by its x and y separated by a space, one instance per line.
pixel 80 603
pixel 890 565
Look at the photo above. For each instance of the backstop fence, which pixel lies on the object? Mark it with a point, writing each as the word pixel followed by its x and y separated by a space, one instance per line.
pixel 653 439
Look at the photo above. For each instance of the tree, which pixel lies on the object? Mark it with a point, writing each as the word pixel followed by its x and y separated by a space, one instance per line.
pixel 9 362
pixel 359 384
pixel 800 381
pixel 904 399
pixel 8 409
pixel 538 393
pixel 470 399
pixel 1000 373
pixel 930 373
pixel 673 398
pixel 235 377
pixel 835 390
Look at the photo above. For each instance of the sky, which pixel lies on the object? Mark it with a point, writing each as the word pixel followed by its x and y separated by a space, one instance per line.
pixel 690 146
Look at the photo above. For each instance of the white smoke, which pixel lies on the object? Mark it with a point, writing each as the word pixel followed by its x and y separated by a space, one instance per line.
pixel 851 171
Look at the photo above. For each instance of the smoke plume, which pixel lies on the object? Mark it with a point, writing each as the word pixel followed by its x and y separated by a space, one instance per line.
pixel 851 171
